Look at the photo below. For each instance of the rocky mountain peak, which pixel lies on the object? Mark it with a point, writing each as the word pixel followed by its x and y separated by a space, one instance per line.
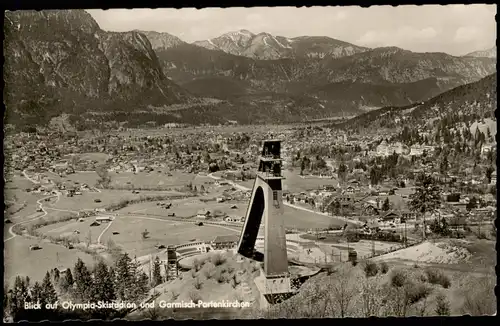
pixel 161 40
pixel 60 60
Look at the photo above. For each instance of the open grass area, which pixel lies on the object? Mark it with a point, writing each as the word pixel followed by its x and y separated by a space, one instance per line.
pixel 88 177
pixel 296 218
pixel 20 260
pixel 295 183
pixel 161 231
pixel 18 183
pixel 187 208
pixel 68 228
pixel 150 179
pixel 107 197
pixel 99 157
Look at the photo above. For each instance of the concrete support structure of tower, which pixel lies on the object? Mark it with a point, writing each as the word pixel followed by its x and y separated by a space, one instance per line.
pixel 266 205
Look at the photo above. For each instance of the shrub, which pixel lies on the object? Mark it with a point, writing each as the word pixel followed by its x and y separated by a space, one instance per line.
pixel 479 296
pixel 384 268
pixel 175 294
pixel 399 278
pixel 230 269
pixel 195 296
pixel 218 259
pixel 197 264
pixel 371 269
pixel 198 283
pixel 435 276
pixel 416 292
pixel 235 280
pixel 442 305
pixel 209 270
pixel 221 277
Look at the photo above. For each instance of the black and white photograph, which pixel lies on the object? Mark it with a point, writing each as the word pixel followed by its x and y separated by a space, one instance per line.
pixel 250 162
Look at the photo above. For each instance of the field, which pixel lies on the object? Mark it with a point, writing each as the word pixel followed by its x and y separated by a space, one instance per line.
pixel 151 179
pixel 99 157
pixel 295 183
pixel 186 208
pixel 161 231
pixel 66 229
pixel 107 197
pixel 87 177
pixel 19 260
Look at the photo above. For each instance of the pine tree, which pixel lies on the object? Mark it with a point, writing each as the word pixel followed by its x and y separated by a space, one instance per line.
pixel 386 205
pixel 103 286
pixel 37 294
pixel 83 280
pixel 426 198
pixel 48 292
pixel 124 280
pixel 157 278
pixel 18 297
pixel 66 282
pixel 142 286
pixel 57 275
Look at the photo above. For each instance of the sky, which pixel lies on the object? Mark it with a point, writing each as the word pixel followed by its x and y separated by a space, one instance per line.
pixel 454 29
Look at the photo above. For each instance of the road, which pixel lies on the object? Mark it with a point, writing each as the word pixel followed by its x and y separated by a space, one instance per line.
pixel 243 188
pixel 39 202
pixel 30 179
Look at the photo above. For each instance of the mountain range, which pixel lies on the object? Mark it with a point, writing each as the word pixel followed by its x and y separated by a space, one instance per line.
pixel 490 53
pixel 63 62
pixel 270 47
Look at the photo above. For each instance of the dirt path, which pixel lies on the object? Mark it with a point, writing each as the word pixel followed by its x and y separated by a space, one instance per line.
pixel 39 202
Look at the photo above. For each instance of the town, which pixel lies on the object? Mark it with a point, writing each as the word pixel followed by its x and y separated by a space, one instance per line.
pixel 349 198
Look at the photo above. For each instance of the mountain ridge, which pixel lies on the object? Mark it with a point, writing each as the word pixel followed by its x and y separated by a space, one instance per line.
pixel 61 61
pixel 267 46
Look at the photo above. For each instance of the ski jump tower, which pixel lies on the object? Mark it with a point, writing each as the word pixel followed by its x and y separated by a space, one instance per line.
pixel 266 205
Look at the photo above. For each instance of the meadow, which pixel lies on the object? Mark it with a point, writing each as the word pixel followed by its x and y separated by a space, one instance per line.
pixel 160 231
pixel 20 260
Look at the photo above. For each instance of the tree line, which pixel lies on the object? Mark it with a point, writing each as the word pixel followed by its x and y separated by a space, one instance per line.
pixel 123 281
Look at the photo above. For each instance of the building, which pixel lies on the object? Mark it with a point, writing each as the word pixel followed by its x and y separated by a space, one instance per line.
pixel 391 217
pixel 102 219
pixel 225 242
pixel 407 215
pixel 203 213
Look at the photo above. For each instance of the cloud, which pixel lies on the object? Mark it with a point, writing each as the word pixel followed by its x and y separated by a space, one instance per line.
pixel 466 34
pixel 397 37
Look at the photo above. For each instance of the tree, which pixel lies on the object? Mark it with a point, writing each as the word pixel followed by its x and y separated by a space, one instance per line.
pixel 302 167
pixel 89 238
pixel 426 197
pixel 57 275
pixel 157 278
pixel 66 282
pixel 124 280
pixel 342 172
pixel 18 297
pixel 472 204
pixel 343 287
pixel 48 292
pixel 103 286
pixel 372 296
pixel 489 172
pixel 386 205
pixel 83 280
pixel 442 305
